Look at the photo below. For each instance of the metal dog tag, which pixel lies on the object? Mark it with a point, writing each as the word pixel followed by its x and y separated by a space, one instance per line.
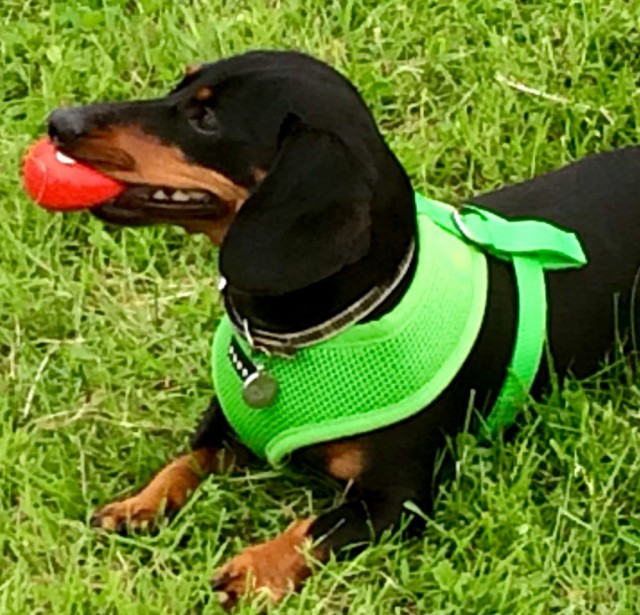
pixel 260 388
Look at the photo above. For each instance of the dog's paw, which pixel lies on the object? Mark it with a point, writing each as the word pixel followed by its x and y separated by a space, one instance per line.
pixel 166 493
pixel 274 568
pixel 134 513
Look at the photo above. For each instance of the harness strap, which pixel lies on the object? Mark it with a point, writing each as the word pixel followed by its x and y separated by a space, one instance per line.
pixel 528 347
pixel 533 246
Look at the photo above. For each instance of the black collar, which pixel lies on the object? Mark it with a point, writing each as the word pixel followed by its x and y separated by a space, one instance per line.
pixel 285 344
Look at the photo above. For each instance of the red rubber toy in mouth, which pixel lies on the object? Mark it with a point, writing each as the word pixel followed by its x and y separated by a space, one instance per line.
pixel 57 182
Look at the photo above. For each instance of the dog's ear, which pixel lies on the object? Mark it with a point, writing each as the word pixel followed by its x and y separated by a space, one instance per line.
pixel 309 218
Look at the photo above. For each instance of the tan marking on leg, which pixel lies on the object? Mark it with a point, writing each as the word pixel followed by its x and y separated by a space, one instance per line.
pixel 168 491
pixel 204 93
pixel 344 459
pixel 276 567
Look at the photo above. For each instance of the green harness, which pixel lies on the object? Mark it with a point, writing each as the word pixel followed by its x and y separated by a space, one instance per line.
pixel 378 373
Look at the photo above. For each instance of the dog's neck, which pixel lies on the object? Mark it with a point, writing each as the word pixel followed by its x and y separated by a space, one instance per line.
pixel 393 233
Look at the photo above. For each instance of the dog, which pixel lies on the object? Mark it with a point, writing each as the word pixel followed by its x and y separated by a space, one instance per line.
pixel 277 159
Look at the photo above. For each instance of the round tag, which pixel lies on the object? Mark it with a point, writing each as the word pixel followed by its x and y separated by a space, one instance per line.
pixel 260 389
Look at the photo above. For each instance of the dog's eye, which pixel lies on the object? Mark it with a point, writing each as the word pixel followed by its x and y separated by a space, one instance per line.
pixel 206 121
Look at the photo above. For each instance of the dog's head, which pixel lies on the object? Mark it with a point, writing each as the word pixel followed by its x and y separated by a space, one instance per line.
pixel 277 142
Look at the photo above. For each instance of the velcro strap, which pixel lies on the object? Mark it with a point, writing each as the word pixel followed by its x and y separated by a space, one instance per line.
pixel 552 247
pixel 533 246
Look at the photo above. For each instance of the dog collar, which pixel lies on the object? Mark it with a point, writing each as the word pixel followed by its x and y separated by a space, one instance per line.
pixel 377 373
pixel 285 344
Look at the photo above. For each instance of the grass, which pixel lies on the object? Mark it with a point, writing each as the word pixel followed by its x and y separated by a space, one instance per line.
pixel 104 334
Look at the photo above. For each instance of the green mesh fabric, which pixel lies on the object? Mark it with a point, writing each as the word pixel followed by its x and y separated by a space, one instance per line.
pixel 373 374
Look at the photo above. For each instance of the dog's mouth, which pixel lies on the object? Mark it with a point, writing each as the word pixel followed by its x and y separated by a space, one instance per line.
pixel 140 205
pixel 142 165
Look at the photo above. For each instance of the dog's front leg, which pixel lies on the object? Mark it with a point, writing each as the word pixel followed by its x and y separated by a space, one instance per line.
pixel 170 488
pixel 280 565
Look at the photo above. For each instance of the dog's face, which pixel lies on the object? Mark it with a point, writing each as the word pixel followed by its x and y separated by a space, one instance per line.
pixel 194 157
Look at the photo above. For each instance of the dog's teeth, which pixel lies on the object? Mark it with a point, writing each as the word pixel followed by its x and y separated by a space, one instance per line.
pixel 64 159
pixel 180 197
pixel 196 195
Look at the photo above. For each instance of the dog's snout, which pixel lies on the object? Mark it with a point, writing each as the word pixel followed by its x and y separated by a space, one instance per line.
pixel 66 125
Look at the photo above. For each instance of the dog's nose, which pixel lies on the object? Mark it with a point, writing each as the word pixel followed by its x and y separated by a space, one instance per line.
pixel 66 125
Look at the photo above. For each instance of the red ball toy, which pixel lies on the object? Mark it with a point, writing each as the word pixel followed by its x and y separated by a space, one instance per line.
pixel 58 182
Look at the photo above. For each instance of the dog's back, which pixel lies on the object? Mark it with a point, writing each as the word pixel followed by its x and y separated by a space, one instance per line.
pixel 599 198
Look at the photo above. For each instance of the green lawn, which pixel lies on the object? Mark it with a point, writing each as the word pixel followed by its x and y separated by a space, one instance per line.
pixel 104 334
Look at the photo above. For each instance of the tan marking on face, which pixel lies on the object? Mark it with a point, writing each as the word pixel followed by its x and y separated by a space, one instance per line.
pixel 192 69
pixel 204 93
pixel 259 175
pixel 215 230
pixel 132 156
pixel 344 460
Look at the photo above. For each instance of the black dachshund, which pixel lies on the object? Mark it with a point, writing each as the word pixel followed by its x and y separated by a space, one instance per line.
pixel 277 159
